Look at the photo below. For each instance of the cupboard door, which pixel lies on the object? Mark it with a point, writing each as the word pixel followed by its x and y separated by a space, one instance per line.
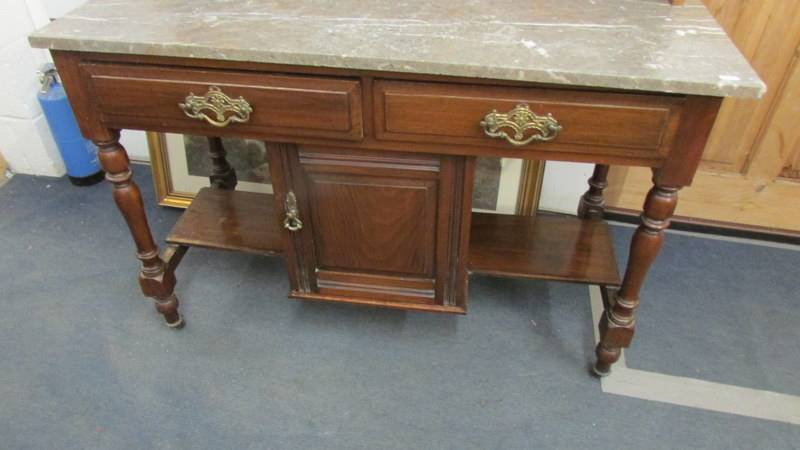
pixel 379 228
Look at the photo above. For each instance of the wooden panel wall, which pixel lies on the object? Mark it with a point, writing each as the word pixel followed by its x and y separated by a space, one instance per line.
pixel 782 132
pixel 751 167
pixel 767 32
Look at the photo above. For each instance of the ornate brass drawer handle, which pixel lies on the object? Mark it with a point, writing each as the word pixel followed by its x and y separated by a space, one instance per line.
pixel 292 221
pixel 520 120
pixel 223 109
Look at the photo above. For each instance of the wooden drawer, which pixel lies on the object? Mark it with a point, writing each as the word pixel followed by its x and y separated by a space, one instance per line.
pixel 592 122
pixel 142 96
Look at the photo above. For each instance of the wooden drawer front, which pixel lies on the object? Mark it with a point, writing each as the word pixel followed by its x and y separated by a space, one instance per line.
pixel 624 124
pixel 282 105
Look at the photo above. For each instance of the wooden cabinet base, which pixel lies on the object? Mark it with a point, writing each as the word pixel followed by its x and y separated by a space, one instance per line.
pixel 373 172
pixel 546 246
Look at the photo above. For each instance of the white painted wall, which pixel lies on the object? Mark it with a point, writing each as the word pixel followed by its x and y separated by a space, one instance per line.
pixel 563 185
pixel 57 8
pixel 25 139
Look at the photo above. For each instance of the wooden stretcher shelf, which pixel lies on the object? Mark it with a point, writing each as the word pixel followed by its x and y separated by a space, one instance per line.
pixel 230 220
pixel 546 246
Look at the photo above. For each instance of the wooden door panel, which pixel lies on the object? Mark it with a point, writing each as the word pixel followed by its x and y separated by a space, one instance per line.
pixel 390 224
pixel 379 228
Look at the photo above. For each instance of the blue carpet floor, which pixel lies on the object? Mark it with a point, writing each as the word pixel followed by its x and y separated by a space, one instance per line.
pixel 85 361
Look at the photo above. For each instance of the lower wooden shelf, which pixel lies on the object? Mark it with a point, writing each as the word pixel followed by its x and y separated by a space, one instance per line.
pixel 545 246
pixel 230 220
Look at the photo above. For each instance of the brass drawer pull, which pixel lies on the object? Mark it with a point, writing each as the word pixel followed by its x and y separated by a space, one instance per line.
pixel 292 221
pixel 519 120
pixel 219 105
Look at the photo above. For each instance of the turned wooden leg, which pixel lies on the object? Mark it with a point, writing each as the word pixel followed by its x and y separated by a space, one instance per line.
pixel 154 278
pixel 223 176
pixel 618 321
pixel 592 204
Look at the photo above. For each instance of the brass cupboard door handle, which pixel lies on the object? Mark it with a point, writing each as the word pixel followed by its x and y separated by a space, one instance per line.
pixel 520 121
pixel 216 108
pixel 292 221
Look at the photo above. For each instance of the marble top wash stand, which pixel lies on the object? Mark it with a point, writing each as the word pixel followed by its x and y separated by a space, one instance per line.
pixel 373 114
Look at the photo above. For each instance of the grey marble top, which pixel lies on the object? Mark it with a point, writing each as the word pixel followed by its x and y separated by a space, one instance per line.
pixel 645 45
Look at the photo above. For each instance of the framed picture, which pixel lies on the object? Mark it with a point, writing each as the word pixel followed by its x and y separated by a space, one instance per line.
pixel 181 166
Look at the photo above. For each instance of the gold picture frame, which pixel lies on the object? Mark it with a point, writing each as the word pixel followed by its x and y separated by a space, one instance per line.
pixel 166 195
pixel 530 187
pixel 525 198
pixel 175 172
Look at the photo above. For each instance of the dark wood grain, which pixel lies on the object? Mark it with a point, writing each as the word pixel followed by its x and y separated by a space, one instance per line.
pixel 299 254
pixel 222 176
pixel 145 95
pixel 91 120
pixel 592 204
pixel 390 203
pixel 697 121
pixel 230 220
pixel 390 223
pixel 382 164
pixel 592 122
pixel 618 322
pixel 390 288
pixel 355 298
pixel 155 280
pixel 375 222
pixel 551 247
